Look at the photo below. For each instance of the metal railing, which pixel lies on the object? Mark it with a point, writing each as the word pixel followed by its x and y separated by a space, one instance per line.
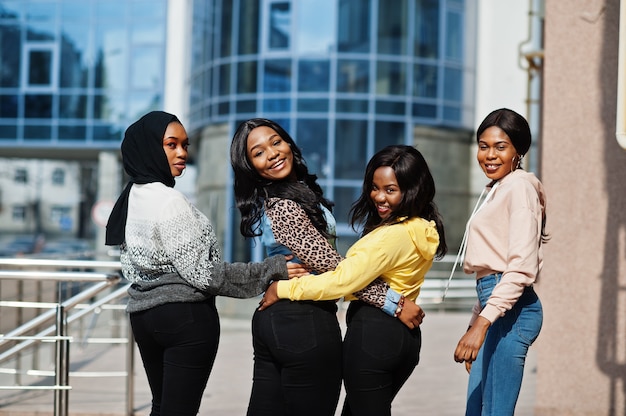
pixel 68 304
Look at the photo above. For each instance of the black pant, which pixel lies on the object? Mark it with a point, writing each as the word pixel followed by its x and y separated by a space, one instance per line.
pixel 379 355
pixel 178 343
pixel 297 360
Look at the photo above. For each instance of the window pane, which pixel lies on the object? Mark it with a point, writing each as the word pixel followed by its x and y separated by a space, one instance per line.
pixel 390 107
pixel 279 25
pixel 451 113
pixel 37 132
pixel 246 77
pixel 147 33
pixel 425 110
pixel 351 106
pixel 452 84
pixel 9 38
pixel 426 41
pixel 112 52
pixel 224 81
pixel 277 77
pixel 313 76
pixel 454 36
pixel 109 107
pixel 148 9
pixel 388 133
pixel 344 198
pixel 392 27
pixel 38 106
pixel 390 78
pixel 246 106
pixel 353 76
pixel 316 26
pixel 8 132
pixel 8 106
pixel 146 68
pixel 226 37
pixel 72 106
pixel 75 53
pixel 277 105
pixel 72 132
pixel 40 68
pixel 313 105
pixel 107 132
pixel 354 26
pixel 350 148
pixel 312 139
pixel 248 27
pixel 425 80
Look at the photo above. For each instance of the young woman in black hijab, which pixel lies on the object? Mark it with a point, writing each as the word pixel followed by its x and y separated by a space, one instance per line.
pixel 169 253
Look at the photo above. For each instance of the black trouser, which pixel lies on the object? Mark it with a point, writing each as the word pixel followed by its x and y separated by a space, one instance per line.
pixel 178 343
pixel 297 360
pixel 379 355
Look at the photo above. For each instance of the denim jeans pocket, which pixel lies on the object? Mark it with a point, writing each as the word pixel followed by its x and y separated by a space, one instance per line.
pixel 529 321
pixel 295 331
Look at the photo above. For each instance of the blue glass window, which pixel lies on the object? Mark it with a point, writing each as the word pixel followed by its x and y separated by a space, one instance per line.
pixel 396 108
pixel 71 132
pixel 452 84
pixel 425 81
pixel 343 198
pixel 112 51
pixel 226 29
pixel 314 76
pixel 352 106
pixel 388 133
pixel 246 77
pixel 107 132
pixel 425 110
pixel 8 106
pixel 350 153
pixel 73 106
pixel 277 105
pixel 353 75
pixel 248 27
pixel 454 36
pixel 146 67
pixel 426 37
pixel 75 55
pixel 313 104
pixel 40 68
pixel 224 81
pixel 8 132
pixel 392 27
pixel 38 106
pixel 9 39
pixel 316 26
pixel 390 78
pixel 37 132
pixel 279 25
pixel 246 106
pixel 312 139
pixel 353 28
pixel 277 76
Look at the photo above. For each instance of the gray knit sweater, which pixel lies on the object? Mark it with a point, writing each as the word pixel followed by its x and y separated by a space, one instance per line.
pixel 171 254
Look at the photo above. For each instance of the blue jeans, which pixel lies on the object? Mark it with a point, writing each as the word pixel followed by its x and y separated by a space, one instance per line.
pixel 379 355
pixel 297 360
pixel 178 343
pixel 496 376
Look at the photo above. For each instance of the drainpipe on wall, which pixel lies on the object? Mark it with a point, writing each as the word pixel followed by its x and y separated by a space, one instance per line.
pixel 620 122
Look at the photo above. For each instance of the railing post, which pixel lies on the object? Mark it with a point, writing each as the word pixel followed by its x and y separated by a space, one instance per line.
pixel 130 371
pixel 61 403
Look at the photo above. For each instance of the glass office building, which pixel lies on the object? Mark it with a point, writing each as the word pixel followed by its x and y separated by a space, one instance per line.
pixel 75 73
pixel 344 77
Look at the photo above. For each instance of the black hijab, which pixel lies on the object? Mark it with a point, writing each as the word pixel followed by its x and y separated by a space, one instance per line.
pixel 144 161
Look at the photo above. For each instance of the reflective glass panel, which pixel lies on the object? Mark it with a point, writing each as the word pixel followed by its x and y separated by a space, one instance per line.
pixel 248 27
pixel 8 106
pixel 139 103
pixel 40 19
pixel 38 106
pixel 10 74
pixel 148 9
pixel 425 81
pixel 350 148
pixel 351 106
pixel 454 36
pixel 225 34
pixel 148 32
pixel 425 110
pixel 313 76
pixel 279 25
pixel 353 28
pixel 277 76
pixel 75 11
pixel 246 77
pixel 146 67
pixel 109 107
pixel 8 132
pixel 353 75
pixel 76 55
pixel 112 53
pixel 316 26
pixel 277 105
pixel 312 139
pixel 392 27
pixel 390 78
pixel 70 132
pixel 72 106
pixel 37 132
pixel 246 106
pixel 40 68
pixel 452 84
pixel 313 105
pixel 343 198
pixel 426 37
pixel 224 81
pixel 107 132
pixel 390 107
pixel 388 133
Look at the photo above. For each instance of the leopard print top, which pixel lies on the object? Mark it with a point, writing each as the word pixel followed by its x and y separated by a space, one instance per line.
pixel 293 229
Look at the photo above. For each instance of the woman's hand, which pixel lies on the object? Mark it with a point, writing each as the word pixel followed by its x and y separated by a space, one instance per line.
pixel 411 314
pixel 270 297
pixel 469 344
pixel 296 269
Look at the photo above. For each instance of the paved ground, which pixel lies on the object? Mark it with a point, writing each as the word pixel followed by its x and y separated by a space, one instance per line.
pixel 437 386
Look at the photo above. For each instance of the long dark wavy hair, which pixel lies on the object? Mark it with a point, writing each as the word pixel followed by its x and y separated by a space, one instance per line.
pixel 416 184
pixel 252 190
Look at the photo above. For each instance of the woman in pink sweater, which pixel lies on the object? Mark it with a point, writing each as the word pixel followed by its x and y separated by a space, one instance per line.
pixel 504 249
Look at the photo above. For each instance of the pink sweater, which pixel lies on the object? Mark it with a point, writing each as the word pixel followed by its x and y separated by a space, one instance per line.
pixel 505 236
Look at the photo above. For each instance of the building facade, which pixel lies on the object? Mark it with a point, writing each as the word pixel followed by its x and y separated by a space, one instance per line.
pixel 345 78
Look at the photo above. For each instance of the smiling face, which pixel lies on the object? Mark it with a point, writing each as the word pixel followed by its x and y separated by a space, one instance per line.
pixel 385 193
pixel 270 155
pixel 496 154
pixel 175 144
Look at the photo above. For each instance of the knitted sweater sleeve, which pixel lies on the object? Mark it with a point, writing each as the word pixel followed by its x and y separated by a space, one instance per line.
pixel 190 244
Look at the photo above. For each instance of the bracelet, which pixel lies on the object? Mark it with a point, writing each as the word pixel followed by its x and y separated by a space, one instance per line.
pixel 399 308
